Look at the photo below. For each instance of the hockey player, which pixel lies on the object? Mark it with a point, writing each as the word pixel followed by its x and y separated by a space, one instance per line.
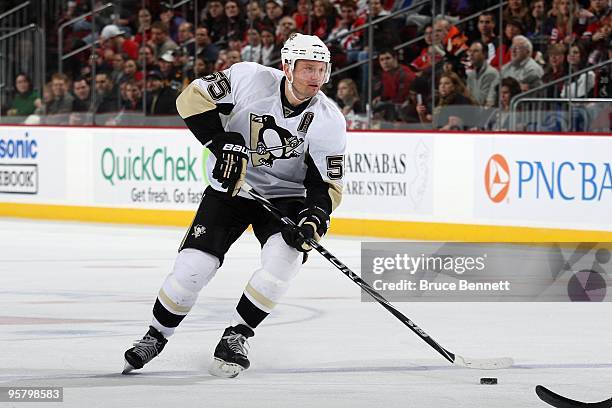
pixel 278 132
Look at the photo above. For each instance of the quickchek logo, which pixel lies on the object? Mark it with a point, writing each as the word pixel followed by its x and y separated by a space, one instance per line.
pixel 497 178
pixel 142 164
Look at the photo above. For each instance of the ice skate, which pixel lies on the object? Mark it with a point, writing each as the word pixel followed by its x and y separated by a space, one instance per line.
pixel 230 357
pixel 144 350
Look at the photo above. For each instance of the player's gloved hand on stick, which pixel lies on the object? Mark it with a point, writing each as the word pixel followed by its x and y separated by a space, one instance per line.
pixel 232 156
pixel 313 222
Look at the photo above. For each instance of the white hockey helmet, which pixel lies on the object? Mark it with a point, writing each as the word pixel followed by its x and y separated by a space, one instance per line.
pixel 305 47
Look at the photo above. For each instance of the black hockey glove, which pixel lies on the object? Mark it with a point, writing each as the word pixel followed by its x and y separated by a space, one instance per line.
pixel 313 223
pixel 232 157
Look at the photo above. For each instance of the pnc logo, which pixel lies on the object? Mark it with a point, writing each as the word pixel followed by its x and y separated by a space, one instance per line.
pixel 497 178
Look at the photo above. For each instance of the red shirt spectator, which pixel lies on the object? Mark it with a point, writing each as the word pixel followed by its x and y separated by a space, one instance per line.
pixel 144 27
pixel 395 79
pixel 348 22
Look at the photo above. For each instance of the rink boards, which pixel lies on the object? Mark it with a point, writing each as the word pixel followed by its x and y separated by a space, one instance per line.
pixel 416 185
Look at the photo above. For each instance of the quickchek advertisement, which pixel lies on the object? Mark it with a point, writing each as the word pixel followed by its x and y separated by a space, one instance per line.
pixel 28 170
pixel 545 179
pixel 161 170
pixel 388 176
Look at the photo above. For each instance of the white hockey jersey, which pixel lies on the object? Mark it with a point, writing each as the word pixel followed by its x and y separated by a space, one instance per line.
pixel 285 145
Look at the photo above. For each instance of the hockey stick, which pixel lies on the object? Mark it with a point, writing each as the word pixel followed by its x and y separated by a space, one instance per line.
pixel 483 364
pixel 560 401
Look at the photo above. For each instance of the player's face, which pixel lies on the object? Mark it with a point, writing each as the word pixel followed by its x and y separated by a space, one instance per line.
pixel 308 77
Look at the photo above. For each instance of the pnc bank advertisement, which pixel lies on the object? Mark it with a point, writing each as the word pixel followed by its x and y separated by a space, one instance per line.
pixel 538 178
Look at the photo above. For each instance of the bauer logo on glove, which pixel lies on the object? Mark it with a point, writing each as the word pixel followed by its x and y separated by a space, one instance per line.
pixel 232 156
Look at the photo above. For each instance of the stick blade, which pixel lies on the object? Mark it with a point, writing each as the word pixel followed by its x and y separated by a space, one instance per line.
pixel 484 363
pixel 560 401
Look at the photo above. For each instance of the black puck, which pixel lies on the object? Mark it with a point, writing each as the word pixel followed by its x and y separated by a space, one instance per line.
pixel 488 380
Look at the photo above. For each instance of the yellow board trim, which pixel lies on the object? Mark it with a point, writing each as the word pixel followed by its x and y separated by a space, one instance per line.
pixel 427 231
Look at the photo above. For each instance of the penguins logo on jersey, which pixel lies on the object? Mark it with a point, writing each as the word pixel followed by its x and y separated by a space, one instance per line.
pixel 271 142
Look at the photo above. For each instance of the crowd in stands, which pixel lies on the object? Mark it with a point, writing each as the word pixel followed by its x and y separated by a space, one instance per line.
pixel 145 56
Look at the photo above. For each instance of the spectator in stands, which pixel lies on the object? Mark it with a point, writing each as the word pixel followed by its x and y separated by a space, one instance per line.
pixel 185 35
pixel 107 94
pixel 171 76
pixel 270 51
pixel 81 106
pixel 384 36
pixel 203 46
pixel 600 9
pixel 522 66
pixel 221 62
pixel 143 34
pixel 233 57
pixel 123 15
pixel 133 101
pixel 301 16
pixel 347 22
pixel 323 18
pixel 202 67
pixel 286 27
pixel 82 94
pixel 423 61
pixel 118 63
pixel 512 28
pixel 147 58
pixel 255 16
pixel 161 100
pixel 214 21
pixel 347 98
pixel 597 34
pixel 483 79
pixel 487 35
pixel 391 89
pixel 419 94
pixel 517 9
pixel 252 50
pixel 501 119
pixel 274 12
pixel 536 32
pixel 25 99
pixel 581 86
pixel 236 23
pixel 160 41
pixel 451 92
pixel 385 33
pixel 62 100
pixel 234 43
pixel 558 26
pixel 41 105
pixel 113 38
pixel 454 42
pixel 130 71
pixel 555 69
pixel 171 20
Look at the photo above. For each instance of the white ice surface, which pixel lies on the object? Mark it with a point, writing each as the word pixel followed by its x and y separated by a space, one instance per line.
pixel 74 296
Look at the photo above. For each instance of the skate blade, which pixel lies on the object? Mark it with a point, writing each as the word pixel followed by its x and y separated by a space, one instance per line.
pixel 220 368
pixel 127 368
